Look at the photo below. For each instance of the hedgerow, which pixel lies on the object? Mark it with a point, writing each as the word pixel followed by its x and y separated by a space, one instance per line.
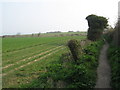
pixel 67 74
pixel 113 37
pixel 114 58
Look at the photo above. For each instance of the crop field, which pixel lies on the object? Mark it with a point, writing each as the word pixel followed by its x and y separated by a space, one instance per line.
pixel 25 58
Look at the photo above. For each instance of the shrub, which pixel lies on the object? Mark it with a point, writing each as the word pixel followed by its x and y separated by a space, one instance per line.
pixel 75 49
pixel 114 57
pixel 113 37
pixel 67 74
pixel 116 34
pixel 96 26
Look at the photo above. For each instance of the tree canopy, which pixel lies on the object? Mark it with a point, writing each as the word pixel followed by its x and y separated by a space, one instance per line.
pixel 96 26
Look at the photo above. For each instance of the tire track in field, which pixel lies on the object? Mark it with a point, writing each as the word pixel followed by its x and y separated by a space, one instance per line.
pixel 24 57
pixel 17 50
pixel 5 67
pixel 4 74
pixel 20 49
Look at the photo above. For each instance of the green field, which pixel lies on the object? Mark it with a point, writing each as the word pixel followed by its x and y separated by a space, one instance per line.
pixel 24 58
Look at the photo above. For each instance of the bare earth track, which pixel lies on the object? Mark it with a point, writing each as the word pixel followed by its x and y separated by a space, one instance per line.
pixel 103 70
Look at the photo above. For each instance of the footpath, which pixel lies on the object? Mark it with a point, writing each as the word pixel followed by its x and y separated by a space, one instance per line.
pixel 103 70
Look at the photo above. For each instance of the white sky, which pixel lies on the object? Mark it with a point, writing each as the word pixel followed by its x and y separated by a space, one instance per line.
pixel 33 16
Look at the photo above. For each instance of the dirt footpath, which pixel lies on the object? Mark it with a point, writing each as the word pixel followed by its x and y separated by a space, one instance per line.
pixel 103 70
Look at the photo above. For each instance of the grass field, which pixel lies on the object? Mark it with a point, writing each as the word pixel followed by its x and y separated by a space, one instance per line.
pixel 24 58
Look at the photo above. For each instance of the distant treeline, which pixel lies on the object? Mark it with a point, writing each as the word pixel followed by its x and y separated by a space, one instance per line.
pixel 61 32
pixel 55 32
pixel 47 34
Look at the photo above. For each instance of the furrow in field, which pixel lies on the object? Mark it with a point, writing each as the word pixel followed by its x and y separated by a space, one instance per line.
pixel 20 49
pixel 26 56
pixel 30 57
pixel 17 50
pixel 4 74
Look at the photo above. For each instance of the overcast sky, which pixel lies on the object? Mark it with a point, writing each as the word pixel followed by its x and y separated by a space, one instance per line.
pixel 33 16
